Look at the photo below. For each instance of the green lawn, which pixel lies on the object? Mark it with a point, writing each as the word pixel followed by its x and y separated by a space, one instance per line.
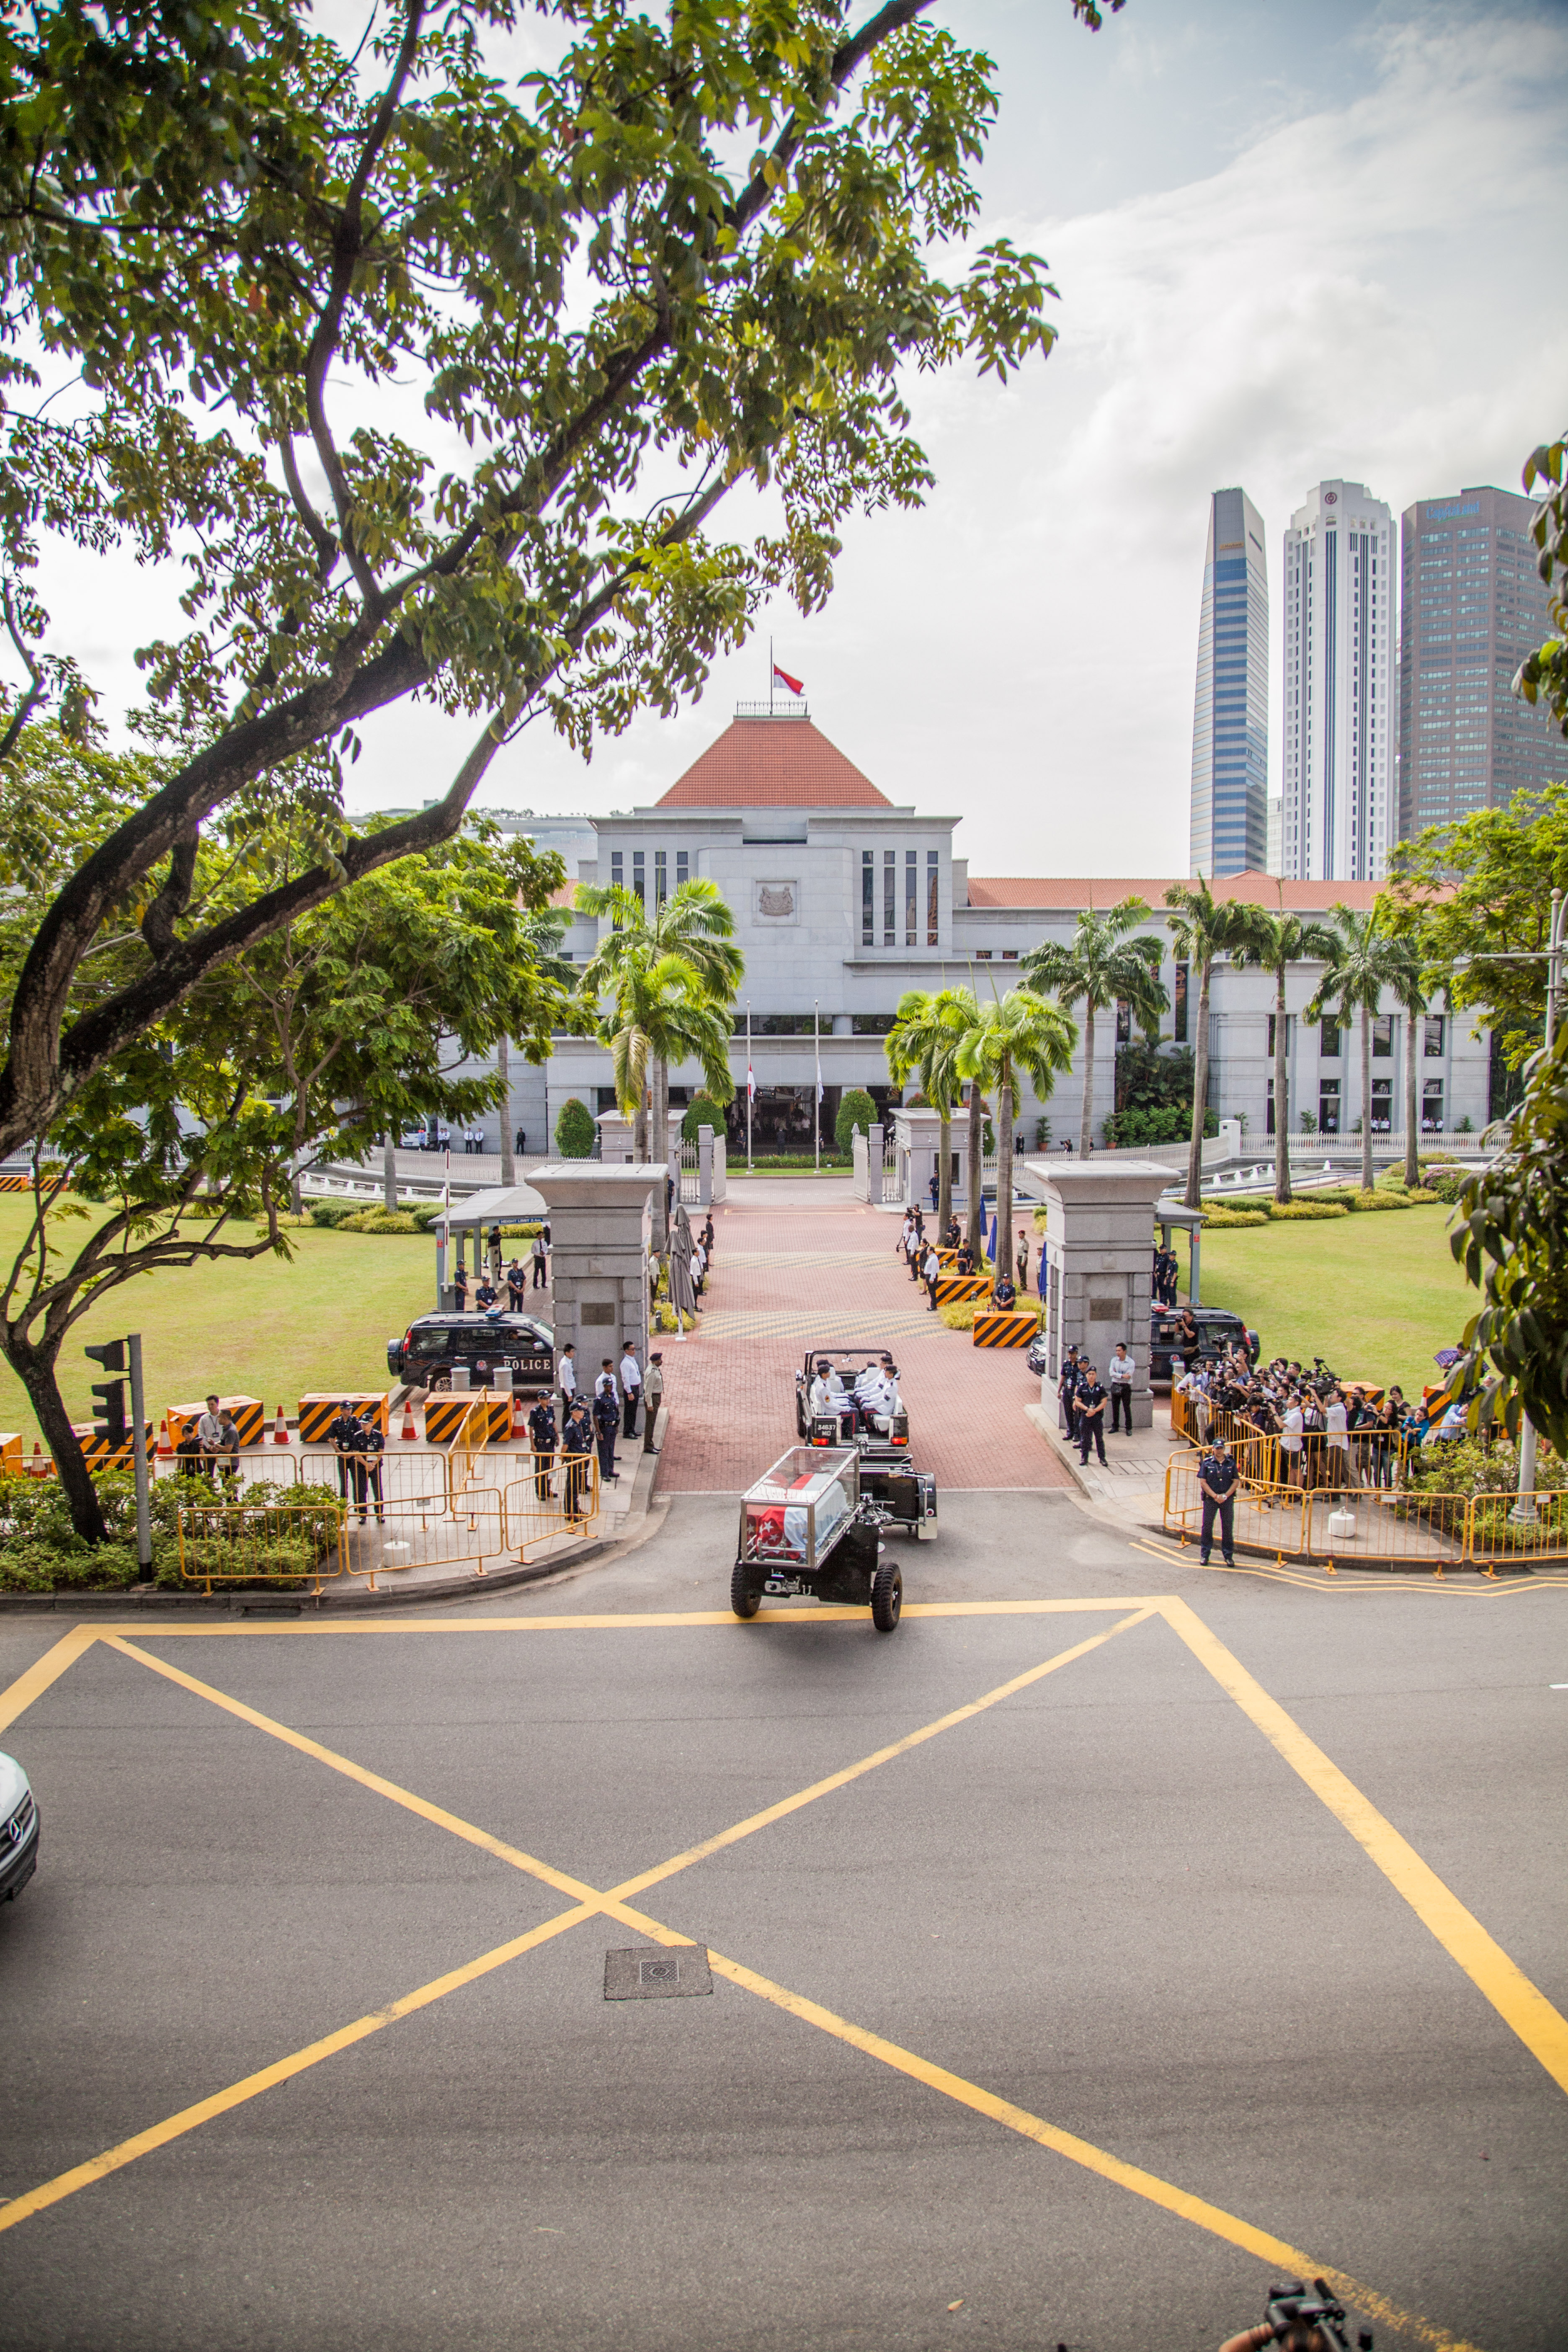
pixel 267 1328
pixel 1375 1294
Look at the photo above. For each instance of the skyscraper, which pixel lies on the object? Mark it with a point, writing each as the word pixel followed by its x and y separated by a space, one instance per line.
pixel 1473 606
pixel 1340 782
pixel 1230 708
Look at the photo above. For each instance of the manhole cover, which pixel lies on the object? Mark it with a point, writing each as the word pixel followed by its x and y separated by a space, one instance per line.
pixel 655 1972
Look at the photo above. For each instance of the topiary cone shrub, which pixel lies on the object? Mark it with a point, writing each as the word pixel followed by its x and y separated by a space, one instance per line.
pixel 856 1109
pixel 575 1127
pixel 701 1111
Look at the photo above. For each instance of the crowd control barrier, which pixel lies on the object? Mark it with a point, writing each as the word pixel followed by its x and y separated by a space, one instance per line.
pixel 98 1454
pixel 952 1287
pixel 318 1410
pixel 289 1546
pixel 1378 1526
pixel 249 1417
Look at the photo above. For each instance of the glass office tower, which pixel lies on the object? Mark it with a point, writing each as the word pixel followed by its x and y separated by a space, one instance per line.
pixel 1230 707
pixel 1339 800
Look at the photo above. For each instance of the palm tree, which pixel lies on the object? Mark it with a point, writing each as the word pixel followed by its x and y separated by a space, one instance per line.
pixel 694 923
pixel 1276 941
pixel 662 1012
pixel 1364 960
pixel 1407 982
pixel 919 1042
pixel 544 929
pixel 1201 927
pixel 1022 1034
pixel 1103 966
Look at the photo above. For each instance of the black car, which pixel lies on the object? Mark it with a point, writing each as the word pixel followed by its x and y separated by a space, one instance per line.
pixel 433 1344
pixel 1217 1331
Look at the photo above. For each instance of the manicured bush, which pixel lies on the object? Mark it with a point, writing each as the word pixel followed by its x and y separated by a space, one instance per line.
pixel 381 1220
pixel 1421 1198
pixel 1221 1219
pixel 1302 1211
pixel 701 1111
pixel 520 1233
pixel 1445 1184
pixel 856 1109
pixel 1375 1200
pixel 575 1127
pixel 958 1314
pixel 332 1213
pixel 425 1213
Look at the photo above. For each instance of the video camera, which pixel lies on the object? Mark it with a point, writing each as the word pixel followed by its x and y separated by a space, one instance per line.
pixel 1291 2307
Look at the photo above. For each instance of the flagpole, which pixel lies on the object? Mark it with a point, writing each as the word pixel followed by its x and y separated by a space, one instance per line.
pixel 816 1106
pixel 770 677
pixel 749 1089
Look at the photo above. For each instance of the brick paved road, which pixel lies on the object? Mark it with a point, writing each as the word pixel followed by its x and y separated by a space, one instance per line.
pixel 791 1273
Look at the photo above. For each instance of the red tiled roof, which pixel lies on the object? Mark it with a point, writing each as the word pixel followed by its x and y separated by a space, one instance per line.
pixel 1103 890
pixel 772 763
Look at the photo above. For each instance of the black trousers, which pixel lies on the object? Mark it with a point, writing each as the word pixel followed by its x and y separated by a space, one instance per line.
pixel 1120 1406
pixel 1226 1514
pixel 538 1265
pixel 1090 1431
pixel 608 1456
pixel 543 1464
pixel 629 1414
pixel 365 1472
pixel 576 1484
pixel 931 1287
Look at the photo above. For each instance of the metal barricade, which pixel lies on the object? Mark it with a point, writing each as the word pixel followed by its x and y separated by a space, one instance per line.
pixel 284 1545
pixel 559 1496
pixel 1328 1525
pixel 422 1479
pixel 1516 1532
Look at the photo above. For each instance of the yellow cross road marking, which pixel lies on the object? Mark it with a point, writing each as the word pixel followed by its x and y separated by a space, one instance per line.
pixel 45 1670
pixel 652 1622
pixel 1540 2028
pixel 1352 1577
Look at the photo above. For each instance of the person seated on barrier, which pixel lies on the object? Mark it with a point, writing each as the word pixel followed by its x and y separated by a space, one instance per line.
pixel 218 1438
pixel 341 1438
pixel 1003 1295
pixel 365 1448
pixel 543 1439
pixel 964 1262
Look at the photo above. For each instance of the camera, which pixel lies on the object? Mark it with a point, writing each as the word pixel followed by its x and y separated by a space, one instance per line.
pixel 1291 2307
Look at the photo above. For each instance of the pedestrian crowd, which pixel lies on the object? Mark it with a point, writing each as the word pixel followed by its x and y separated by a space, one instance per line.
pixel 1330 1433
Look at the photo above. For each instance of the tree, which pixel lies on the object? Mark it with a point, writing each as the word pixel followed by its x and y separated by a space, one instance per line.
pixel 1022 1035
pixel 662 1012
pixel 857 1113
pixel 694 923
pixel 1543 676
pixel 1362 960
pixel 346 1025
pixel 575 1130
pixel 1511 1238
pixel 692 254
pixel 1276 941
pixel 922 1040
pixel 703 1110
pixel 1103 965
pixel 1201 927
pixel 1476 897
pixel 1407 981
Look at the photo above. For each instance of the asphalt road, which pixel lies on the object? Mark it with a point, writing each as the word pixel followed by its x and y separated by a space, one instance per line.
pixel 1106 1900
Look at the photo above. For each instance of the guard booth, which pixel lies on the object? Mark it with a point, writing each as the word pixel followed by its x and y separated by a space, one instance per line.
pixel 1097 1264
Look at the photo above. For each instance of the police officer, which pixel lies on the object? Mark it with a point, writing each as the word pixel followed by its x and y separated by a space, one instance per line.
pixel 607 1428
pixel 541 1437
pixel 366 1447
pixel 516 1283
pixel 1090 1402
pixel 1217 1476
pixel 340 1434
pixel 576 1445
pixel 1003 1295
pixel 1067 1392
pixel 460 1285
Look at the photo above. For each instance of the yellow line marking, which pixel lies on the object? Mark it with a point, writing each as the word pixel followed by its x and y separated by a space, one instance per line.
pixel 1540 2028
pixel 841 1780
pixel 56 1660
pixel 1349 1578
pixel 96 2167
pixel 636 1622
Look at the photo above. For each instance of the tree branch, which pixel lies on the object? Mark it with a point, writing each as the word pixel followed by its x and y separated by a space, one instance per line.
pixel 35 693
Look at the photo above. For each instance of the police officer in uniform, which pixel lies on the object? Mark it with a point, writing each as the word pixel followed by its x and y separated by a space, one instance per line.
pixel 1091 1400
pixel 341 1432
pixel 542 1438
pixel 1067 1392
pixel 1217 1476
pixel 577 1446
pixel 366 1447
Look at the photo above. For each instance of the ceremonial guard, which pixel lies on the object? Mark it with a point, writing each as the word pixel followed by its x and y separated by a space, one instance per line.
pixel 542 1438
pixel 1217 1476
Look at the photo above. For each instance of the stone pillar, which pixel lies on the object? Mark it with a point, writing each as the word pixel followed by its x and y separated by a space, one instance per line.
pixel 614 1140
pixel 1100 1217
pixel 874 1166
pixel 705 1168
pixel 599 1227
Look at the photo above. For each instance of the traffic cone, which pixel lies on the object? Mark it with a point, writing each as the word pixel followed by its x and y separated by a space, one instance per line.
pixel 410 1434
pixel 163 1445
pixel 38 1467
pixel 280 1429
pixel 519 1418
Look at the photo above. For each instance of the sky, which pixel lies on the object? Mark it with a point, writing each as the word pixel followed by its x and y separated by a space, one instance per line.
pixel 1289 242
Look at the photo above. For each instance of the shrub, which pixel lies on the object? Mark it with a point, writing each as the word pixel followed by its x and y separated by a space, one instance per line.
pixel 425 1213
pixel 332 1213
pixel 958 1314
pixel 1303 1212
pixel 575 1127
pixel 1226 1219
pixel 520 1233
pixel 701 1111
pixel 1375 1200
pixel 381 1220
pixel 856 1109
pixel 1421 1198
pixel 1444 1183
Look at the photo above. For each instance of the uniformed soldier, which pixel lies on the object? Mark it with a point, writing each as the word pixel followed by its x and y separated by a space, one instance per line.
pixel 1022 1260
pixel 366 1447
pixel 1090 1404
pixel 541 1437
pixel 1067 1392
pixel 607 1428
pixel 1003 1295
pixel 340 1438
pixel 460 1285
pixel 576 1445
pixel 1217 1476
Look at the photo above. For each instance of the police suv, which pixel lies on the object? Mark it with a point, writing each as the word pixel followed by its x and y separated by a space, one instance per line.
pixel 434 1344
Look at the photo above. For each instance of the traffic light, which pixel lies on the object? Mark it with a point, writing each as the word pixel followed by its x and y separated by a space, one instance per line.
pixel 113 1428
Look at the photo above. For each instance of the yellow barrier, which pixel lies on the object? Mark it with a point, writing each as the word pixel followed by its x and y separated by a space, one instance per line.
pixel 1396 1526
pixel 1004 1328
pixel 318 1412
pixel 559 1496
pixel 249 1415
pixel 1517 1531
pixel 288 1544
pixel 954 1287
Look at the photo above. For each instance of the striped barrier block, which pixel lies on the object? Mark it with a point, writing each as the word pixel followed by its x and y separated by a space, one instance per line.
pixel 102 1455
pixel 953 1287
pixel 445 1415
pixel 1004 1327
pixel 249 1414
pixel 11 1464
pixel 12 1182
pixel 318 1410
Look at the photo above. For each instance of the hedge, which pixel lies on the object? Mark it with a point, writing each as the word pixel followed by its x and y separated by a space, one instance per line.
pixel 701 1111
pixel 1361 1201
pixel 856 1109
pixel 1226 1219
pixel 1303 1212
pixel 575 1127
pixel 380 1220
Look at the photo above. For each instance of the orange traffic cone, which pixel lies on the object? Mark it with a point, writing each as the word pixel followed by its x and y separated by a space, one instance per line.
pixel 38 1467
pixel 409 1434
pixel 280 1429
pixel 163 1445
pixel 519 1418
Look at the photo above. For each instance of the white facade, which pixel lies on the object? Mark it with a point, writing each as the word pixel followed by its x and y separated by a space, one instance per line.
pixel 1339 794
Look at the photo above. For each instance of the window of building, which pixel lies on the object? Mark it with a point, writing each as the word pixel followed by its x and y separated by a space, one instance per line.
pixel 1179 1006
pixel 1382 1106
pixel 889 898
pixel 1329 1042
pixel 1328 1106
pixel 1123 1022
pixel 660 877
pixel 1382 1037
pixel 1009 955
pixel 683 867
pixel 867 898
pixel 1433 1026
pixel 617 868
pixel 982 955
pixel 911 896
pixel 1269 1121
pixel 933 897
pixel 639 875
pixel 871 1025
pixel 1432 1107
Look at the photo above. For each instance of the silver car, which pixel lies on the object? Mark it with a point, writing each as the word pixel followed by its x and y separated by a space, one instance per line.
pixel 18 1830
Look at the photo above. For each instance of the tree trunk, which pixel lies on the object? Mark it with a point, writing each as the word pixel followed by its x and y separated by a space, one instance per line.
pixel 296 1191
pixel 35 1368
pixel 1200 1091
pixel 1365 1099
pixel 659 1150
pixel 1411 1115
pixel 974 1168
pixel 944 1175
pixel 1086 1116
pixel 1281 1094
pixel 389 1170
pixel 508 1148
pixel 1003 1178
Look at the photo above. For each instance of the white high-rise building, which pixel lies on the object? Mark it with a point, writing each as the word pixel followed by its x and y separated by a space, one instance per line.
pixel 1339 794
pixel 1230 708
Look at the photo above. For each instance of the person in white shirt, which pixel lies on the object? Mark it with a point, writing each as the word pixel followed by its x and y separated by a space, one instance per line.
pixel 1337 1443
pixel 1290 1441
pixel 874 1395
pixel 566 1378
pixel 825 1396
pixel 1119 1381
pixel 930 1269
pixel 631 1390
